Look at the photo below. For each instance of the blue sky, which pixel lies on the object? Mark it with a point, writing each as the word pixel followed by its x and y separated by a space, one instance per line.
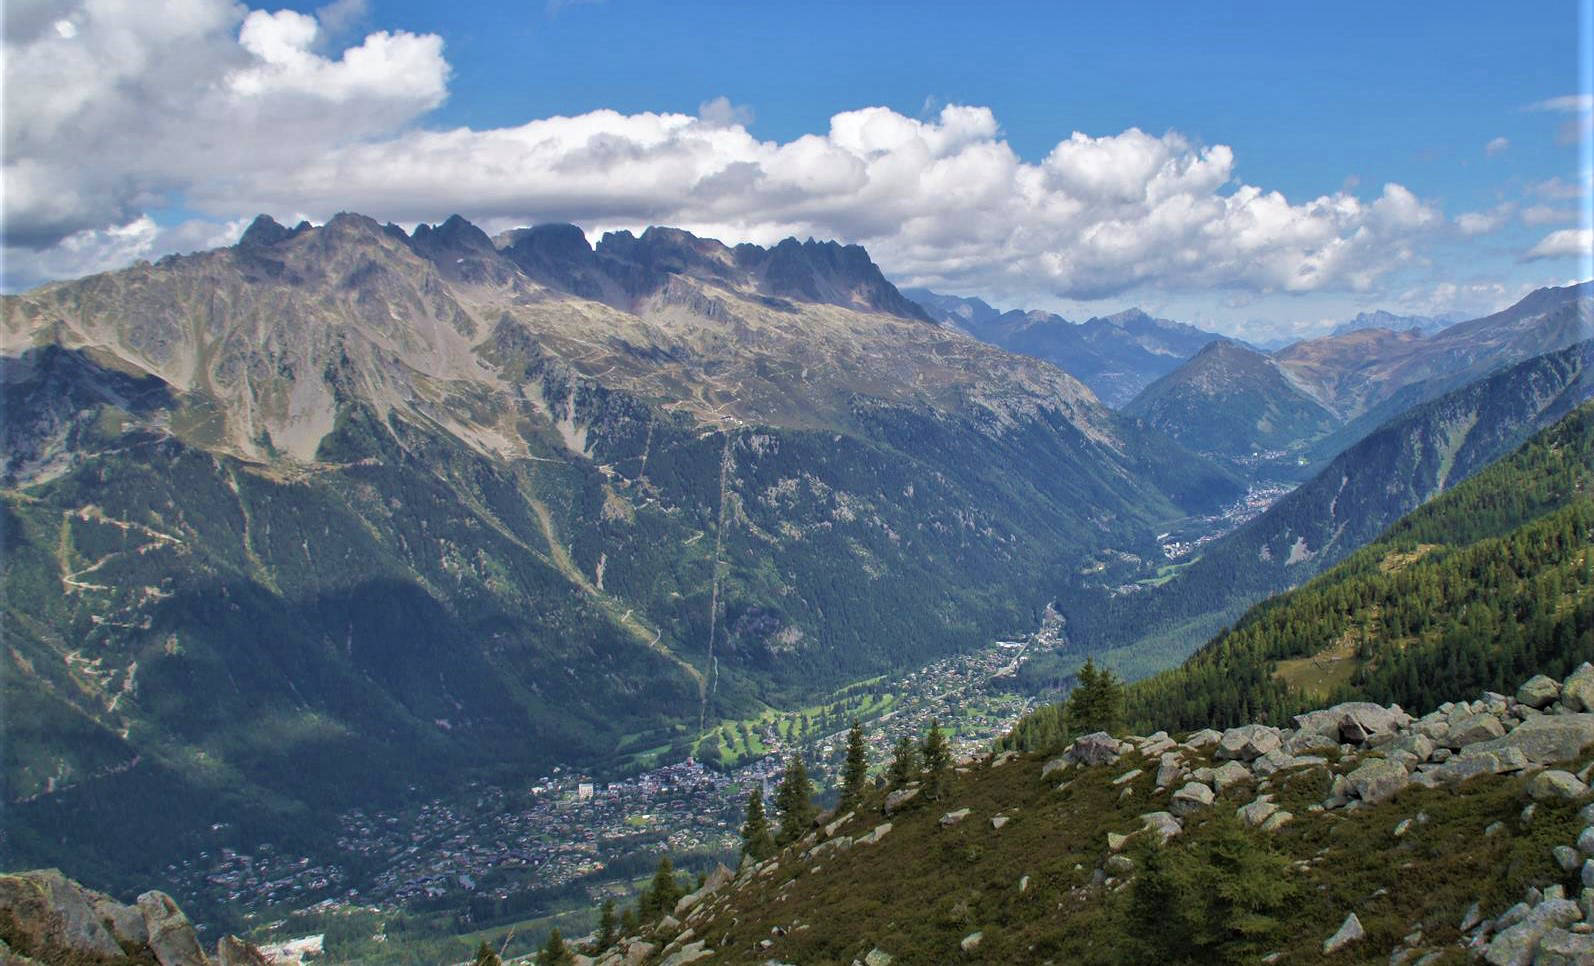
pixel 1291 103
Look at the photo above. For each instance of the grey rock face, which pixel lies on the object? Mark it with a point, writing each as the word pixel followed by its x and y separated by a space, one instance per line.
pixel 54 912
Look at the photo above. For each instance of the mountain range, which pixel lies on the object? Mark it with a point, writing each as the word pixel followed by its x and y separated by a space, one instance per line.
pixel 346 510
pixel 1290 411
pixel 1116 356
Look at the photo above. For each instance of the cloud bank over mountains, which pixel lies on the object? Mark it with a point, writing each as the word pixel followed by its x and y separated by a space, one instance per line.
pixel 144 134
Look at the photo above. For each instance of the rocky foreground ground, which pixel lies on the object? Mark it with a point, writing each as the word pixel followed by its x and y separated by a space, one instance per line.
pixel 1380 813
pixel 1371 760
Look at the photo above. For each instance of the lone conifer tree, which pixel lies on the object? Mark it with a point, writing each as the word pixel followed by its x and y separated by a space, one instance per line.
pixel 904 763
pixel 1096 703
pixel 660 897
pixel 855 773
pixel 795 800
pixel 485 956
pixel 937 761
pixel 607 926
pixel 554 951
pixel 757 842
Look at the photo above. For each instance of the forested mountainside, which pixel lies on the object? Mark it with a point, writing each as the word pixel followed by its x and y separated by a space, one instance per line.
pixel 1289 412
pixel 1477 590
pixel 1394 470
pixel 1116 355
pixel 344 510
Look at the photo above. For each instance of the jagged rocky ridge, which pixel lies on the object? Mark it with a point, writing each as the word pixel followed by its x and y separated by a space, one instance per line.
pixel 47 918
pixel 1490 794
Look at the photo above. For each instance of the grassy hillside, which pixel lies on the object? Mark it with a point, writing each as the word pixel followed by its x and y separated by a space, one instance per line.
pixel 1049 885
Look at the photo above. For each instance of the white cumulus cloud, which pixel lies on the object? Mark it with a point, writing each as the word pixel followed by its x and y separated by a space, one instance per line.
pixel 218 109
pixel 1568 242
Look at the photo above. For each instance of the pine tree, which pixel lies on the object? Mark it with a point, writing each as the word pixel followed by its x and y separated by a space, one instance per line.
pixel 794 799
pixel 630 922
pixel 660 897
pixel 855 772
pixel 554 951
pixel 606 925
pixel 904 763
pixel 1097 701
pixel 757 842
pixel 485 956
pixel 937 761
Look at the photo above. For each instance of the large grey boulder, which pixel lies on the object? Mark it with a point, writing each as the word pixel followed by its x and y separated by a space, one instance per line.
pixel 1559 947
pixel 1309 742
pixel 1577 693
pixel 1193 797
pixel 1353 721
pixel 1229 774
pixel 1097 748
pixel 1546 739
pixel 1378 780
pixel 171 935
pixel 1247 742
pixel 1473 729
pixel 1256 813
pixel 1539 691
pixel 690 953
pixel 1515 945
pixel 1204 738
pixel 1556 784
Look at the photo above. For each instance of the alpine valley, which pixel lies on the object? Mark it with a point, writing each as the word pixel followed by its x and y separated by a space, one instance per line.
pixel 316 544
pixel 345 513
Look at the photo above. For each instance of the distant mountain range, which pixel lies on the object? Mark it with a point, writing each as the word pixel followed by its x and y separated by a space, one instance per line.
pixel 1116 356
pixel 345 509
pixel 1381 319
pixel 1297 408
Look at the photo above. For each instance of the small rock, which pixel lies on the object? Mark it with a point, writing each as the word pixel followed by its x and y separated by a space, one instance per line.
pixel 971 942
pixel 998 821
pixel 1567 858
pixel 877 957
pixel 1256 813
pixel 899 798
pixel 1402 827
pixel 1577 694
pixel 1350 931
pixel 1161 824
pixel 1473 729
pixel 1473 916
pixel 1276 821
pixel 1204 738
pixel 1120 864
pixel 1023 884
pixel 1585 840
pixel 952 818
pixel 1116 841
pixel 1493 829
pixel 1127 776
